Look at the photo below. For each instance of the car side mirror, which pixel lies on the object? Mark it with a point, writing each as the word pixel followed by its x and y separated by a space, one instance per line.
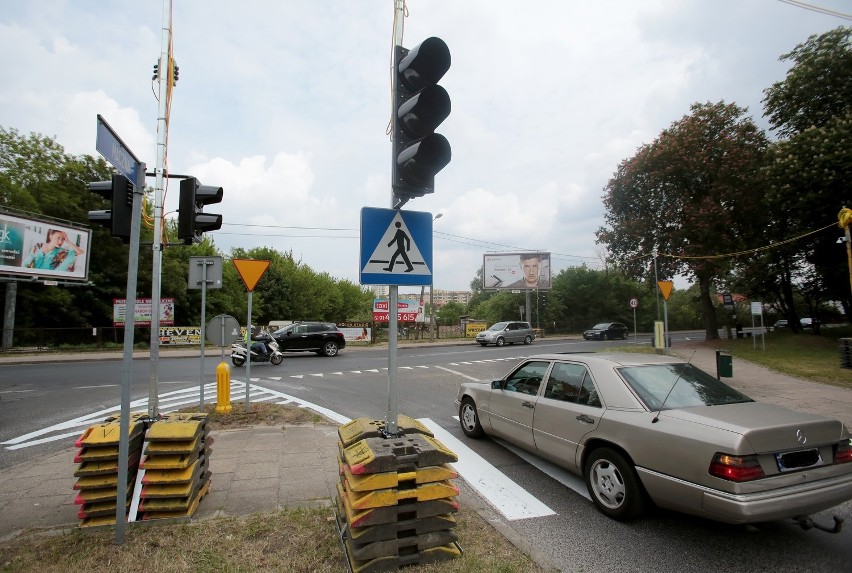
pixel 496 384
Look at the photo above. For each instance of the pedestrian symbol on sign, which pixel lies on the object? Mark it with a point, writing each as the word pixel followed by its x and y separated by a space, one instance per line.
pixel 403 244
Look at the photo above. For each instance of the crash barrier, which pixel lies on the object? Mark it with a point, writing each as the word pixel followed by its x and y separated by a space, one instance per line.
pixel 396 500
pixel 176 464
pixel 167 473
pixel 846 352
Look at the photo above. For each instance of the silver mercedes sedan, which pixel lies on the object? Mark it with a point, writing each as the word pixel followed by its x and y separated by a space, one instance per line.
pixel 644 428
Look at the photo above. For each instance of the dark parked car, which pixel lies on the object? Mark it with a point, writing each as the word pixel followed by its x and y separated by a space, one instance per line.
pixel 606 331
pixel 324 338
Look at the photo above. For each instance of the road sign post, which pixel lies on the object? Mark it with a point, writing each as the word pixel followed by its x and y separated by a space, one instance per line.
pixel 634 302
pixel 250 271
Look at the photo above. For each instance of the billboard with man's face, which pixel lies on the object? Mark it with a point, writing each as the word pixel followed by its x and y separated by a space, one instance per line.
pixel 43 249
pixel 516 271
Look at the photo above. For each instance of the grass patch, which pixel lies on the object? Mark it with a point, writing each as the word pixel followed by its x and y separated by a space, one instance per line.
pixel 294 540
pixel 803 355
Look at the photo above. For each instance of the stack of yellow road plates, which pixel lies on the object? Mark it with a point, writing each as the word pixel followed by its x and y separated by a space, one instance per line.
pixel 97 471
pixel 176 464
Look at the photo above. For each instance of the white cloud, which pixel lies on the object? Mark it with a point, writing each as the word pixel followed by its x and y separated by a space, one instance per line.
pixel 285 106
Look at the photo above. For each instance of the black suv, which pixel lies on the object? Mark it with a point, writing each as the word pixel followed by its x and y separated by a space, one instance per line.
pixel 324 338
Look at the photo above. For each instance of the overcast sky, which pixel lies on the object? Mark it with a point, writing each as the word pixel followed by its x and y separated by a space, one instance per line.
pixel 285 103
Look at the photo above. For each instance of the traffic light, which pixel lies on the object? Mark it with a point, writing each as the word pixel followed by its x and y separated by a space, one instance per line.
pixel 420 106
pixel 192 220
pixel 119 191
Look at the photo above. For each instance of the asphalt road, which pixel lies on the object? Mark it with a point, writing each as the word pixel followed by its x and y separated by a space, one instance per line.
pixel 355 384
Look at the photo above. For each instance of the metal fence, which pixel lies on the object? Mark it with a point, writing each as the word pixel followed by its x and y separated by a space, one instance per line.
pixel 28 339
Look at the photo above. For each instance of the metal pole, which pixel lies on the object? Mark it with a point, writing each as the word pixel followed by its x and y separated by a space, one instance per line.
pixel 248 352
pixel 665 324
pixel 656 284
pixel 127 365
pixel 393 316
pixel 431 312
pixel 635 332
pixel 203 337
pixel 222 324
pixel 9 314
pixel 393 294
pixel 165 73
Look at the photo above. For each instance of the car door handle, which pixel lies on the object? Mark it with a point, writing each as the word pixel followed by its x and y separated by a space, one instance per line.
pixel 527 404
pixel 585 418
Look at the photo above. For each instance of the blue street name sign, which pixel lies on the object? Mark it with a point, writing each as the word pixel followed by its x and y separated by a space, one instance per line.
pixel 396 247
pixel 114 150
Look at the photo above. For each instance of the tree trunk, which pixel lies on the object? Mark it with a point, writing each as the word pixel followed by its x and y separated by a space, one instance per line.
pixel 710 327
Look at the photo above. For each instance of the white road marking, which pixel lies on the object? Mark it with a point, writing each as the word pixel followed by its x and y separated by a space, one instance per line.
pixel 458 373
pixel 506 496
pixel 563 476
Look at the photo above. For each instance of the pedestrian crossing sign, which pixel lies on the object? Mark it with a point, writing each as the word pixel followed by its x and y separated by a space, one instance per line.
pixel 396 247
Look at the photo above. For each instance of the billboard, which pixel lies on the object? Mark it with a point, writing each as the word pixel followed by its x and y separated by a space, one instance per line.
pixel 144 311
pixel 516 271
pixel 407 310
pixel 29 247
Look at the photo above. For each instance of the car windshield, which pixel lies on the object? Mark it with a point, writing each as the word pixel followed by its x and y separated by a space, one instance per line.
pixel 601 326
pixel 499 326
pixel 684 384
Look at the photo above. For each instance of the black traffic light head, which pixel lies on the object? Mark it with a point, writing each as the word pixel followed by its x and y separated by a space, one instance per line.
pixel 119 191
pixel 420 106
pixel 192 220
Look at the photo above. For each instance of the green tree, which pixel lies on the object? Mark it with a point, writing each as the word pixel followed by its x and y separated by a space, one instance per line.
pixel 449 314
pixel 811 171
pixel 692 194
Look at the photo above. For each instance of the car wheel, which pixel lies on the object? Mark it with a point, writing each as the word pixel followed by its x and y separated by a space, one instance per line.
pixel 500 342
pixel 528 339
pixel 604 336
pixel 330 349
pixel 624 336
pixel 613 484
pixel 276 359
pixel 469 419
pixel 238 361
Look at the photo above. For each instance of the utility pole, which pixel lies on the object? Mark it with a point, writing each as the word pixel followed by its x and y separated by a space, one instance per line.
pixel 166 79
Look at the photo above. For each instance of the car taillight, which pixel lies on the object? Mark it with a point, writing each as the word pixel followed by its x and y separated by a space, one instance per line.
pixel 736 468
pixel 843 452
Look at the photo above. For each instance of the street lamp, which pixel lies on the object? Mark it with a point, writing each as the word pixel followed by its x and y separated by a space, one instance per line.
pixel 431 295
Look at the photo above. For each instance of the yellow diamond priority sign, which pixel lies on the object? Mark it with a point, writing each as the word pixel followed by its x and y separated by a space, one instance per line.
pixel 250 271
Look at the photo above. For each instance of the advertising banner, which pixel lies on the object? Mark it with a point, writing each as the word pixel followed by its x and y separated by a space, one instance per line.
pixel 407 310
pixel 43 249
pixel 516 271
pixel 143 311
pixel 180 336
pixel 356 331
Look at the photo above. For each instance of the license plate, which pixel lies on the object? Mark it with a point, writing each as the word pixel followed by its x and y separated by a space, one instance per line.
pixel 799 459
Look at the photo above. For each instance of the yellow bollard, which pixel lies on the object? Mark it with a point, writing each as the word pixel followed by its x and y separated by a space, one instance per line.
pixel 223 388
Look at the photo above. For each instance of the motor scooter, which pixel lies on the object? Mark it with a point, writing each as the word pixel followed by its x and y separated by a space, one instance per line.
pixel 273 354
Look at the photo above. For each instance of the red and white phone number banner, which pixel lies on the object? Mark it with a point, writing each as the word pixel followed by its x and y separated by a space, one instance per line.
pixel 406 310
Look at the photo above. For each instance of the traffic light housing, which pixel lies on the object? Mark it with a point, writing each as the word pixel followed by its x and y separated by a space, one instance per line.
pixel 420 106
pixel 192 220
pixel 119 191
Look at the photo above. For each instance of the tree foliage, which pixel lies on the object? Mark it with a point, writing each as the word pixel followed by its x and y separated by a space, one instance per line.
pixel 38 178
pixel 691 195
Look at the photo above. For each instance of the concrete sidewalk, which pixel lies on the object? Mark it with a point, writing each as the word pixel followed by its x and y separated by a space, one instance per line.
pixel 263 468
